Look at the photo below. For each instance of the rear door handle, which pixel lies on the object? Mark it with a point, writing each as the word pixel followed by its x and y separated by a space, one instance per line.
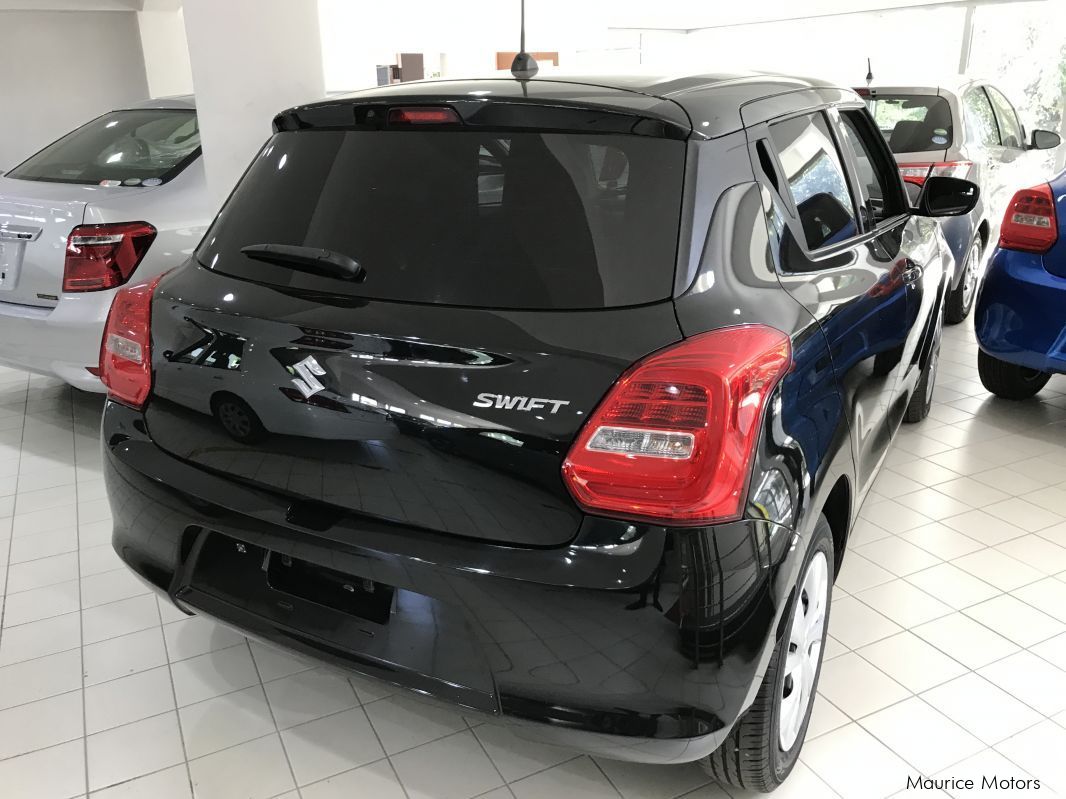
pixel 912 275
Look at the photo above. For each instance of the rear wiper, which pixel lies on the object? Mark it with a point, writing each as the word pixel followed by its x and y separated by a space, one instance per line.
pixel 315 260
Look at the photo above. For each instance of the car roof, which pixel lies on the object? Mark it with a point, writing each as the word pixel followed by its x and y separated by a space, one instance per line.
pixel 712 100
pixel 178 101
pixel 953 84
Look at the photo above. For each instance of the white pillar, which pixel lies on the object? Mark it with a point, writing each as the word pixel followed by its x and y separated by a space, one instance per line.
pixel 250 59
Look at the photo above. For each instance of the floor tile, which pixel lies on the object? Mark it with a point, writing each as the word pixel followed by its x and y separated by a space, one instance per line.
pixel 100 589
pixel 857 573
pixel 38 679
pixel 981 708
pixel 1038 552
pixel 941 541
pixel 119 618
pixel 254 770
pixel 56 773
pixel 903 603
pixel 127 699
pixel 1024 514
pixel 965 640
pixel 1015 620
pixel 516 757
pixel 375 781
pixel 427 773
pixel 308 695
pixel 952 586
pixel 170 783
pixel 1031 679
pixel 922 736
pixel 898 556
pixel 984 527
pixel 134 749
pixel 273 663
pixel 39 638
pixel 997 569
pixel 40 603
pixel 983 766
pixel 858 688
pixel 912 662
pixel 39 573
pixel 331 745
pixel 855 764
pixel 576 778
pixel 124 655
pixel 403 722
pixel 196 635
pixel 1039 750
pixel 213 674
pixel 225 721
pixel 40 724
pixel 825 716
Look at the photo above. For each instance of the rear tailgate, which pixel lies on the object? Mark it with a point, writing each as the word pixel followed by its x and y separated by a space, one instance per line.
pixel 451 419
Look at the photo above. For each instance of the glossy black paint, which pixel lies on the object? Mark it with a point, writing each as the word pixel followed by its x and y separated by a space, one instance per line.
pixel 634 641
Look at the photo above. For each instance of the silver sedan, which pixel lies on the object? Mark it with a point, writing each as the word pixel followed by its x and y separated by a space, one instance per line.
pixel 118 200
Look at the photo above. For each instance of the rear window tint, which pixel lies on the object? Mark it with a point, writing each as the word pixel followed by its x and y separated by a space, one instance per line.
pixel 503 220
pixel 913 123
pixel 123 147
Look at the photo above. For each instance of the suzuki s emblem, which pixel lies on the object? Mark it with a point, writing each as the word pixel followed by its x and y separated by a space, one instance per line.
pixel 309 371
pixel 509 403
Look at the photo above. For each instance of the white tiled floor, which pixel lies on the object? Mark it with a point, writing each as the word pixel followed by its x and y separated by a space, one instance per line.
pixel 947 652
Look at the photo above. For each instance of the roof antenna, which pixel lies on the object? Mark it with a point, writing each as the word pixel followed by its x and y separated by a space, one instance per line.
pixel 869 74
pixel 524 65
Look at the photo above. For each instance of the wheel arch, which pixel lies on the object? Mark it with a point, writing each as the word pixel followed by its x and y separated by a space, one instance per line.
pixel 837 511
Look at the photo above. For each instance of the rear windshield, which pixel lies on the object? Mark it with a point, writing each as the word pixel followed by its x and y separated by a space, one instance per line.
pixel 913 123
pixel 131 148
pixel 503 220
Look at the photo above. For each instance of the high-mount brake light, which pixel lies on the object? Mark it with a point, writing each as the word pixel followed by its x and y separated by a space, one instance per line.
pixel 672 442
pixel 1030 223
pixel 104 256
pixel 423 115
pixel 126 349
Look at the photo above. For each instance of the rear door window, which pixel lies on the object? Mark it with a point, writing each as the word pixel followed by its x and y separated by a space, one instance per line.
pixel 878 180
pixel 136 147
pixel 913 123
pixel 981 125
pixel 1010 129
pixel 816 179
pixel 507 220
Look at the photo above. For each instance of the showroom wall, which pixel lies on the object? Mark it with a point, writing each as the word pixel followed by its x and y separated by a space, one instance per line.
pixel 69 66
pixel 166 52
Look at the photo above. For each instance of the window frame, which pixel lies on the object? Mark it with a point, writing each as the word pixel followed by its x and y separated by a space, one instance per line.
pixel 980 90
pixel 881 157
pixel 760 134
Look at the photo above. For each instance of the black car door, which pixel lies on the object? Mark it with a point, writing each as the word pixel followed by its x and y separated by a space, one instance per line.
pixel 848 250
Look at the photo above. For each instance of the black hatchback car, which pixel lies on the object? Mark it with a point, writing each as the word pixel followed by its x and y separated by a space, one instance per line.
pixel 553 399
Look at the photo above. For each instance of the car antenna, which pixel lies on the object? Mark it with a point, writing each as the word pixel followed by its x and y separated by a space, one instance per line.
pixel 869 74
pixel 524 65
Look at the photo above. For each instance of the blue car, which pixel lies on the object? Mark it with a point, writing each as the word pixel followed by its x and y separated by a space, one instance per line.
pixel 1021 310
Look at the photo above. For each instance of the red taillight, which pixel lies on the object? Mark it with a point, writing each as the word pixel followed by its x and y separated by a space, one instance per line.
pixel 104 256
pixel 1030 224
pixel 917 173
pixel 672 441
pixel 423 115
pixel 126 350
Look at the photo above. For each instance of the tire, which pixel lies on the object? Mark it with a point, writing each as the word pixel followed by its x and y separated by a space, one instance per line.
pixel 922 398
pixel 759 753
pixel 237 418
pixel 1008 380
pixel 960 299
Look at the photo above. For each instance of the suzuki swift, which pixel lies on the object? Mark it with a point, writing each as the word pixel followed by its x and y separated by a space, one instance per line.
pixel 553 399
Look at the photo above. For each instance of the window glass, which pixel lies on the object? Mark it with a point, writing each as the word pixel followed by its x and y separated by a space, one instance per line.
pixel 980 121
pixel 878 200
pixel 127 147
pixel 816 178
pixel 1009 126
pixel 913 123
pixel 510 220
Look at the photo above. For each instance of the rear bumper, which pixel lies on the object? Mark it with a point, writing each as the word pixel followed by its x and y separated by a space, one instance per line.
pixel 603 649
pixel 1019 316
pixel 60 341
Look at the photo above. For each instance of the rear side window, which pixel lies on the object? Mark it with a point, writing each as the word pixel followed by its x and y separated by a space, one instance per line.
pixel 1010 129
pixel 816 179
pixel 980 120
pixel 503 220
pixel 913 123
pixel 144 146
pixel 878 180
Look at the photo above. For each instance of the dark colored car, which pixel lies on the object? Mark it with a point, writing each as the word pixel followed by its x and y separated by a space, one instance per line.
pixel 1021 311
pixel 552 399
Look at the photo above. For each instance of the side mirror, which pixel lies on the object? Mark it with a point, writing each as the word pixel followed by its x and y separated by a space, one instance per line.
pixel 944 196
pixel 1044 140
